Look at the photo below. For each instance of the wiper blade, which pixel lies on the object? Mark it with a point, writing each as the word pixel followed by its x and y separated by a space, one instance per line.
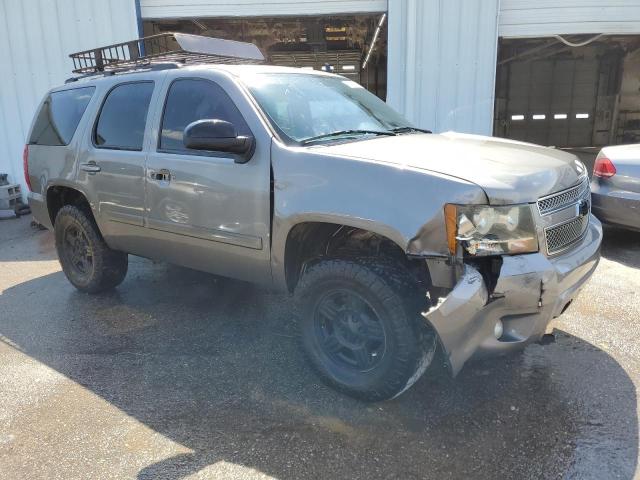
pixel 346 132
pixel 409 129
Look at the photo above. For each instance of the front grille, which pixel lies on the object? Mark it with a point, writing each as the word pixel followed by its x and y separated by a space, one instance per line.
pixel 562 236
pixel 557 201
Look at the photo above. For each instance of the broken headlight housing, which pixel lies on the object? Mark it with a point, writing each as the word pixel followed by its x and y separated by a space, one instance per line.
pixel 483 230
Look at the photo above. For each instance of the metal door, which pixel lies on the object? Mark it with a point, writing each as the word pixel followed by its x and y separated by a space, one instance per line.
pixel 203 209
pixel 552 102
pixel 111 160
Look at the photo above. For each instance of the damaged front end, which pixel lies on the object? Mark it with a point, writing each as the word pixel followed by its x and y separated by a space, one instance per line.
pixel 501 303
pixel 477 316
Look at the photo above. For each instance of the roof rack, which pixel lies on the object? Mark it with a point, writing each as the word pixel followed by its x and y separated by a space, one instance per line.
pixel 165 47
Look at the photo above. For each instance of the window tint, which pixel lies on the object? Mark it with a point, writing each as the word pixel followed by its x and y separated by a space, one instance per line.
pixel 190 100
pixel 59 116
pixel 123 116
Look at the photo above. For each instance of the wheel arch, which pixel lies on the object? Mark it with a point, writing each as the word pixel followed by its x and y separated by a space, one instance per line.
pixel 59 195
pixel 314 238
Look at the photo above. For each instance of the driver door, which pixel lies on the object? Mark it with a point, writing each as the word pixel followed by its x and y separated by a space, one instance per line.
pixel 204 210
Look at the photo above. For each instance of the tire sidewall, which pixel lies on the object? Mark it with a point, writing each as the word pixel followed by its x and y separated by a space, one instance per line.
pixel 72 216
pixel 402 350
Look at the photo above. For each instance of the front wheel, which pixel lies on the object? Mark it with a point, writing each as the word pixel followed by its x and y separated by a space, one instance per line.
pixel 361 328
pixel 89 264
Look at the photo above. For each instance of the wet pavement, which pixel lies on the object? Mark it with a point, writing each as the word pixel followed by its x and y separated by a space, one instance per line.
pixel 178 374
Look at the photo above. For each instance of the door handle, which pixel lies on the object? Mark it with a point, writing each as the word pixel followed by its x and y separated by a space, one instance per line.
pixel 162 175
pixel 90 167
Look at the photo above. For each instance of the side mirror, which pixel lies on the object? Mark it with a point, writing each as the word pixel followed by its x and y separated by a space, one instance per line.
pixel 220 136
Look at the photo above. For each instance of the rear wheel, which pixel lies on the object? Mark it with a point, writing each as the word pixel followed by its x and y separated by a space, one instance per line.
pixel 361 328
pixel 89 264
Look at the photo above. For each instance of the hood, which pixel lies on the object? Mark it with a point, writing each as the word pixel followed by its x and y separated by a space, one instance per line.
pixel 508 171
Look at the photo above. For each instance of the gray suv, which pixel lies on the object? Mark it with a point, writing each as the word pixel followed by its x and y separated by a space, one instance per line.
pixel 395 242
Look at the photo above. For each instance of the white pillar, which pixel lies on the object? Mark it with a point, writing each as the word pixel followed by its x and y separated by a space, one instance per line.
pixel 442 63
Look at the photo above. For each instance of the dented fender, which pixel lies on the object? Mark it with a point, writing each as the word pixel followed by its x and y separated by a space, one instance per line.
pixel 399 202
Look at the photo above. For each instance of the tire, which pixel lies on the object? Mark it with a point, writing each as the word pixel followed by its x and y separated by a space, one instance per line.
pixel 89 264
pixel 344 306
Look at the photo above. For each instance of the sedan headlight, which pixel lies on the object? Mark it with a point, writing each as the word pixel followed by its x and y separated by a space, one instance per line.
pixel 484 230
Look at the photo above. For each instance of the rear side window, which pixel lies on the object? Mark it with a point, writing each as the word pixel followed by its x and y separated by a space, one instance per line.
pixel 195 99
pixel 123 117
pixel 59 116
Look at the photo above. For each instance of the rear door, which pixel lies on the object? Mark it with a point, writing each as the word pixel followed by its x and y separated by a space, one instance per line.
pixel 205 210
pixel 111 164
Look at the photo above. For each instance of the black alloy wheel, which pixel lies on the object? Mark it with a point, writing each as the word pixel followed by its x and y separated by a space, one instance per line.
pixel 78 250
pixel 361 327
pixel 349 330
pixel 87 261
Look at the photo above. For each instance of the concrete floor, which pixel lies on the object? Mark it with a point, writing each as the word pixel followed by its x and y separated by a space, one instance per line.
pixel 178 374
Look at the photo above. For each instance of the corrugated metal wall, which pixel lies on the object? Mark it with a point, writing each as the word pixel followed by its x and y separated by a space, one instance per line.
pixel 37 37
pixel 251 8
pixel 441 59
pixel 442 63
pixel 527 18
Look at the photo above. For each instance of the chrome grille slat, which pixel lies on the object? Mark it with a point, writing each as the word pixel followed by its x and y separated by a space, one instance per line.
pixel 562 199
pixel 570 227
pixel 562 236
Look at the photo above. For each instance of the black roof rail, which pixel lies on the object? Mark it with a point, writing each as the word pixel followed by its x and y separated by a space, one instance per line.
pixel 143 66
pixel 164 47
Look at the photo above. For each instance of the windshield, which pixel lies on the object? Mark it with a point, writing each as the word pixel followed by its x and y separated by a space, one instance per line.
pixel 305 108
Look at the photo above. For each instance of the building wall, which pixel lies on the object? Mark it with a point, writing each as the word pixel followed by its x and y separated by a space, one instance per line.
pixel 442 63
pixel 528 18
pixel 442 53
pixel 250 8
pixel 38 36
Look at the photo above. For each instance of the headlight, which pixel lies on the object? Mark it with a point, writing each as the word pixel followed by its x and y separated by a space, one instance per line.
pixel 484 230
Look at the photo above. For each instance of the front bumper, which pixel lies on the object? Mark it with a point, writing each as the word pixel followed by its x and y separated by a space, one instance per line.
pixel 531 290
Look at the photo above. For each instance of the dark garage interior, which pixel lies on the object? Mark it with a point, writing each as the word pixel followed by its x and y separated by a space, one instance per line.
pixel 352 45
pixel 575 97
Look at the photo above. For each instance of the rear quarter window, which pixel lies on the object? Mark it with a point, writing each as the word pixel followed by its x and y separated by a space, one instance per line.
pixel 59 116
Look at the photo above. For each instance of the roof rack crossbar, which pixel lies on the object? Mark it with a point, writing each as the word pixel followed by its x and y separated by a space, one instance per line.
pixel 165 47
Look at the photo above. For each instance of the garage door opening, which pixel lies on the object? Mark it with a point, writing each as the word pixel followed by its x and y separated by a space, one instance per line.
pixel 354 46
pixel 580 98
